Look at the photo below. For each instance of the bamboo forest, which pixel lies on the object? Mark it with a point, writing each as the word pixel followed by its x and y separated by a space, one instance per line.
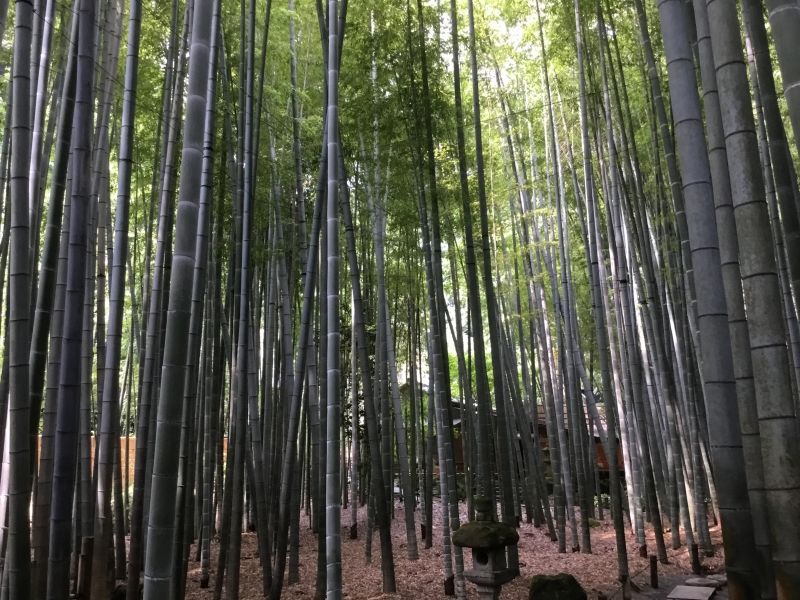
pixel 399 299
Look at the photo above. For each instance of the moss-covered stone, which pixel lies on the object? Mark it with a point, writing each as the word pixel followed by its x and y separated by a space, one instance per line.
pixel 556 587
pixel 485 535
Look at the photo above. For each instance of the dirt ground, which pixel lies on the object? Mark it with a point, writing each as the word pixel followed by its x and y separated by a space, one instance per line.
pixel 423 578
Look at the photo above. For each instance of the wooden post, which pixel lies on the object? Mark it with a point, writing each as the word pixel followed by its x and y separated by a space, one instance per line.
pixel 654 571
pixel 696 568
pixel 450 586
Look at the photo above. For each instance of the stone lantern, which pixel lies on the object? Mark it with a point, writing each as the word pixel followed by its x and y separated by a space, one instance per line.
pixel 487 539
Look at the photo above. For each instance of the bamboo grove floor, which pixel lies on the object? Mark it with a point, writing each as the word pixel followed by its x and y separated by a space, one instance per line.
pixel 422 579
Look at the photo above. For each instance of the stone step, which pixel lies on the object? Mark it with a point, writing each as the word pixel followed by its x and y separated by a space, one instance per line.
pixel 690 592
pixel 704 582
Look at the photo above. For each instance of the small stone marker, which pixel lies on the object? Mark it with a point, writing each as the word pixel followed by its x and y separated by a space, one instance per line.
pixel 688 592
